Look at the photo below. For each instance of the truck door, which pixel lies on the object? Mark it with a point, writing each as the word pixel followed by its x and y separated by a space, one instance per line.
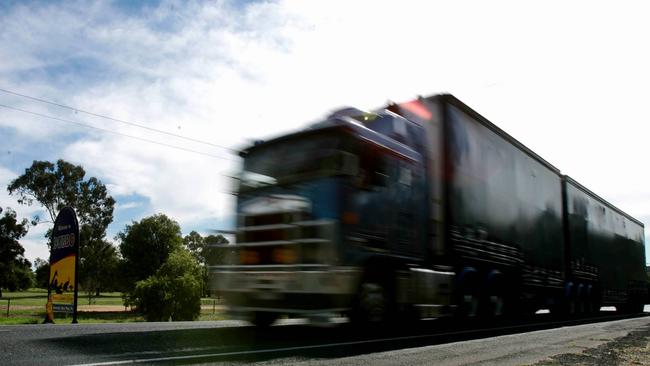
pixel 406 194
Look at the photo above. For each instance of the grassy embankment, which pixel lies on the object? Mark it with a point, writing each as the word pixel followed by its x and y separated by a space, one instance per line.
pixel 28 307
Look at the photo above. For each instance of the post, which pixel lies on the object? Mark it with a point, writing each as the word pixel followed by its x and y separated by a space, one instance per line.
pixel 49 313
pixel 8 305
pixel 76 278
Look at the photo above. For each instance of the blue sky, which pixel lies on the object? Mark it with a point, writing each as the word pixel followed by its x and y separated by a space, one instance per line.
pixel 568 80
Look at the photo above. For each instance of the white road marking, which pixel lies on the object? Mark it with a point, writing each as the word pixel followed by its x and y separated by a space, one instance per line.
pixel 316 346
pixel 239 353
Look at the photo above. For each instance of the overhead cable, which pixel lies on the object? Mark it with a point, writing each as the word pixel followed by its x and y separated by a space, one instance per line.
pixel 116 120
pixel 113 132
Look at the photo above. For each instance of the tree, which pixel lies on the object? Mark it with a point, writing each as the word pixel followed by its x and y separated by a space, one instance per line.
pixel 201 250
pixel 55 186
pixel 22 277
pixel 98 267
pixel 63 184
pixel 12 263
pixel 173 292
pixel 41 273
pixel 194 243
pixel 146 245
pixel 213 255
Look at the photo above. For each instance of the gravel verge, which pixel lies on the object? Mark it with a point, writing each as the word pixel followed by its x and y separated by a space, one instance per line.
pixel 633 349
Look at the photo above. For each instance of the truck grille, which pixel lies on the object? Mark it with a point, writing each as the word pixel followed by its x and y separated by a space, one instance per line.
pixel 284 238
pixel 274 218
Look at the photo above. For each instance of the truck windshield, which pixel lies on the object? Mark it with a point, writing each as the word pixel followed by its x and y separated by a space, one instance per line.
pixel 299 158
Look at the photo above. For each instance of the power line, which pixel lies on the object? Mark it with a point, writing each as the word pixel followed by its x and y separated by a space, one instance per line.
pixel 117 120
pixel 113 132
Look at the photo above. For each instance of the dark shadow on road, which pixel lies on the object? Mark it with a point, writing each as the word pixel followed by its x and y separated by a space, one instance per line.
pixel 295 341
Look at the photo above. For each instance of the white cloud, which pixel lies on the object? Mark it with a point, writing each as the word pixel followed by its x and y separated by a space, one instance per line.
pixel 34 243
pixel 127 205
pixel 568 80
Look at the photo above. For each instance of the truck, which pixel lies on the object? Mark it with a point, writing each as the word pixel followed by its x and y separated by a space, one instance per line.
pixel 421 209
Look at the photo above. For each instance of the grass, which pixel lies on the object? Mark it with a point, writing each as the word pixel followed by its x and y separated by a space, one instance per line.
pixel 28 307
pixel 36 317
pixel 38 297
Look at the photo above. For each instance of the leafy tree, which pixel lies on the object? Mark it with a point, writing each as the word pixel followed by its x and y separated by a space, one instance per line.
pixel 98 268
pixel 146 245
pixel 55 186
pixel 194 243
pixel 201 250
pixel 41 273
pixel 22 277
pixel 63 184
pixel 12 262
pixel 173 292
pixel 211 254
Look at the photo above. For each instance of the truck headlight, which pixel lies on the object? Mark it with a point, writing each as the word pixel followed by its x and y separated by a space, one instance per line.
pixel 247 256
pixel 284 255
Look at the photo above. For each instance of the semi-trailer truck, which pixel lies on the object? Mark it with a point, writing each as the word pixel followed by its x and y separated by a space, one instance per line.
pixel 421 209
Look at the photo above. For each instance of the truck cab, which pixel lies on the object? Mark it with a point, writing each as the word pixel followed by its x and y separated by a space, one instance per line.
pixel 327 217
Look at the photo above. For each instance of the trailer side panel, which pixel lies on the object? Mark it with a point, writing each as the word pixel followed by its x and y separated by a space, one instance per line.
pixel 504 201
pixel 606 244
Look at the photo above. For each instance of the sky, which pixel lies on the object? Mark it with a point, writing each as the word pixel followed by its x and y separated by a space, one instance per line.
pixel 570 80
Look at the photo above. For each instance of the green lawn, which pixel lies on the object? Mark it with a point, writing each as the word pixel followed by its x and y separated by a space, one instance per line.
pixel 28 307
pixel 37 297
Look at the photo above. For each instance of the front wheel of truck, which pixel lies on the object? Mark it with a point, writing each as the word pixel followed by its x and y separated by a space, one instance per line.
pixel 263 319
pixel 371 305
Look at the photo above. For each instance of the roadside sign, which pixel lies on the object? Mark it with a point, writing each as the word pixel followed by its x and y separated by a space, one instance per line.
pixel 64 258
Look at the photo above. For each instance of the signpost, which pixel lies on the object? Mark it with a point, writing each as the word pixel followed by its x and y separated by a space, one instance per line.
pixel 64 259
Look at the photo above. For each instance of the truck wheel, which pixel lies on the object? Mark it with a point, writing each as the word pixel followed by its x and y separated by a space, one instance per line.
pixel 493 302
pixel 592 305
pixel 264 319
pixel 571 306
pixel 638 307
pixel 580 306
pixel 632 308
pixel 371 306
pixel 494 306
pixel 468 304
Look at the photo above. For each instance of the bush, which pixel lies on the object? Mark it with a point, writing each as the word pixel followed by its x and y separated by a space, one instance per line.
pixel 173 292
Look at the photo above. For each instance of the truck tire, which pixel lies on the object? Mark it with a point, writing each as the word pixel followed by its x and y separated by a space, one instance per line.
pixel 468 296
pixel 371 305
pixel 582 300
pixel 468 305
pixel 637 307
pixel 493 300
pixel 263 319
pixel 631 308
pixel 493 305
pixel 568 304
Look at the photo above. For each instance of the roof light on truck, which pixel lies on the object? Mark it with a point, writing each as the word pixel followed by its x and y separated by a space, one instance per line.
pixel 417 108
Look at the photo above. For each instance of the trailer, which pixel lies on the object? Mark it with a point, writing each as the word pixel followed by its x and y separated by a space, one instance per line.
pixel 420 209
pixel 606 253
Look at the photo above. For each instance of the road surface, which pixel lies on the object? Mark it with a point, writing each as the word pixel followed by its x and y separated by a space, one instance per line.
pixel 228 342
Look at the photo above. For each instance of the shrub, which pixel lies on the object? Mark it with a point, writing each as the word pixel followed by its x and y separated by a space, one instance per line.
pixel 173 292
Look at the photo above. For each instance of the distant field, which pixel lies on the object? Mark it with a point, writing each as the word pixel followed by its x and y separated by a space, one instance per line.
pixel 38 297
pixel 28 307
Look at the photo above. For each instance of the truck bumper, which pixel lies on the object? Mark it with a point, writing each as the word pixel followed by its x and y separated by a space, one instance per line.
pixel 287 290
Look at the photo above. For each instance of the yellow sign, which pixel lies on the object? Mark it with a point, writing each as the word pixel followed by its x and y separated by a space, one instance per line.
pixel 62 280
pixel 64 252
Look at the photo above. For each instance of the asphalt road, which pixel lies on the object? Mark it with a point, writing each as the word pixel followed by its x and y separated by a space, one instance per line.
pixel 227 342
